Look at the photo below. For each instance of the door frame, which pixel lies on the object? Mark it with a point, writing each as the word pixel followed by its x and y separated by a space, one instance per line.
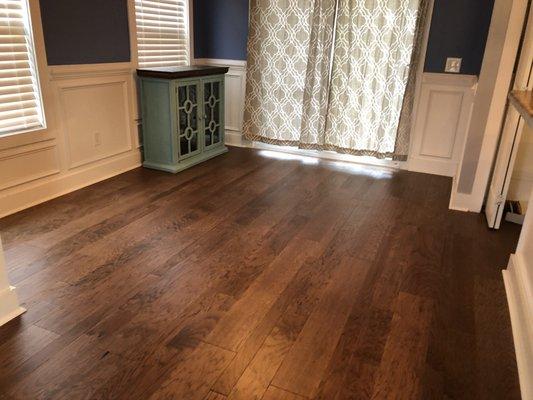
pixel 511 136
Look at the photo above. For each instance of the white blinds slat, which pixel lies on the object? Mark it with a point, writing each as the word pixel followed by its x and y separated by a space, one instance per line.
pixel 162 32
pixel 20 99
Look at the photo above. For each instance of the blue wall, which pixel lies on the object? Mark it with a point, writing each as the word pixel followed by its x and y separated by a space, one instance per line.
pixel 85 32
pixel 96 31
pixel 220 29
pixel 458 29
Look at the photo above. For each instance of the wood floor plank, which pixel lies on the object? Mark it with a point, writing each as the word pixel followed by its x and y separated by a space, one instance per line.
pixel 250 309
pixel 257 376
pixel 274 393
pixel 21 347
pixel 400 372
pixel 302 369
pixel 194 379
pixel 215 396
pixel 126 280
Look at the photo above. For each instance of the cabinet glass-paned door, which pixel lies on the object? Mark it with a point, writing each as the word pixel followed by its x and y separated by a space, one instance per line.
pixel 213 113
pixel 188 119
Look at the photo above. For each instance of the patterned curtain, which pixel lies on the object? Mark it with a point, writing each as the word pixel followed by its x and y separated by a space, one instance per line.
pixel 334 74
pixel 288 65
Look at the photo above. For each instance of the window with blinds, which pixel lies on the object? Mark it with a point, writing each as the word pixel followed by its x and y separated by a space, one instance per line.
pixel 20 97
pixel 162 32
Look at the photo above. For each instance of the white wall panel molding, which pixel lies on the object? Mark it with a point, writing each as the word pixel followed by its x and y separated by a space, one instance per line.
pixel 235 90
pixel 443 109
pixel 96 118
pixel 29 165
pixel 93 136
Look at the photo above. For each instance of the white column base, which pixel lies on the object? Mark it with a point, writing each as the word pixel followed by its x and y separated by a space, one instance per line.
pixel 9 305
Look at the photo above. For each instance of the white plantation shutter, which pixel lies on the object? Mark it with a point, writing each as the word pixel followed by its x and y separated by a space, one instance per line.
pixel 162 32
pixel 20 98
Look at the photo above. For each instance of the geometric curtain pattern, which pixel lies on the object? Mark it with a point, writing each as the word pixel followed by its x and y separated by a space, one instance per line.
pixel 333 74
pixel 373 44
pixel 278 56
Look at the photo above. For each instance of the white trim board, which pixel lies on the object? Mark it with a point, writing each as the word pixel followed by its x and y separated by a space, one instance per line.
pixel 488 111
pixel 520 299
pixel 9 304
pixel 41 191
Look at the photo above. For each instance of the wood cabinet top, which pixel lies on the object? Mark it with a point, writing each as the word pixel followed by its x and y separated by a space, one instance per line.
pixel 190 71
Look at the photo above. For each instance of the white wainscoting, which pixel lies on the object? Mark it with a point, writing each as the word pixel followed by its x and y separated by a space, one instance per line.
pixel 518 278
pixel 91 136
pixel 235 87
pixel 442 114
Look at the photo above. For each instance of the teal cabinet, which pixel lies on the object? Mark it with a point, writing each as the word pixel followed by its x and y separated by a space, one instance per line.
pixel 182 116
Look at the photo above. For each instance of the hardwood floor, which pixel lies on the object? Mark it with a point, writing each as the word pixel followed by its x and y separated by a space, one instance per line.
pixel 251 277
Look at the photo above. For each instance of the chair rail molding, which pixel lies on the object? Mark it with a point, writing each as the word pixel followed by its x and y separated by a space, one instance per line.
pixel 235 86
pixel 9 304
pixel 442 113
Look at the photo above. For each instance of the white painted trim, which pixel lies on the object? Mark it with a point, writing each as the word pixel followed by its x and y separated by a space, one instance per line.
pixel 444 79
pixel 322 155
pixel 42 190
pixel 9 304
pixel 78 71
pixel 436 147
pixel 219 61
pixel 491 98
pixel 191 31
pixel 520 300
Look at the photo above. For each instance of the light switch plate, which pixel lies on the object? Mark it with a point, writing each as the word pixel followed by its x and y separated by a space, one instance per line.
pixel 453 65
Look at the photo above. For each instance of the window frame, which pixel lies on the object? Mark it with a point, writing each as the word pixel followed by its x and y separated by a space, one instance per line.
pixel 35 59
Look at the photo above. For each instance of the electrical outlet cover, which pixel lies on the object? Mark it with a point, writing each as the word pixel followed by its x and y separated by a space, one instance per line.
pixel 453 65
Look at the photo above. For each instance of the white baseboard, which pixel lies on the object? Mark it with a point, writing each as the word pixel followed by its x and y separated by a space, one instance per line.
pixel 9 305
pixel 432 166
pixel 461 201
pixel 518 286
pixel 234 138
pixel 32 194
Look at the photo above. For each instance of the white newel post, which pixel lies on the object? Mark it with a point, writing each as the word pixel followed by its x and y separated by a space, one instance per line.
pixel 9 304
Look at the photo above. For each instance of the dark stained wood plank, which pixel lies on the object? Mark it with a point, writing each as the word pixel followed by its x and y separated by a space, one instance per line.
pixel 400 373
pixel 274 393
pixel 215 396
pixel 260 296
pixel 22 346
pixel 257 377
pixel 193 379
pixel 125 281
pixel 302 369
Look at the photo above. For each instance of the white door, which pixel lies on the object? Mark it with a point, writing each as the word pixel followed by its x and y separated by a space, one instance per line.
pixel 511 136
